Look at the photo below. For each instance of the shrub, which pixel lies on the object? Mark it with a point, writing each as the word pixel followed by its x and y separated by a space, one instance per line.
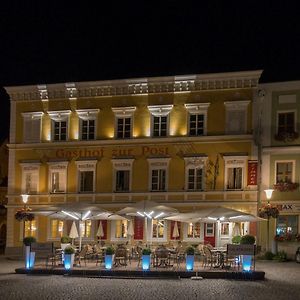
pixel 65 240
pixel 190 250
pixel 28 240
pixel 281 256
pixel 109 250
pixel 247 239
pixel 69 250
pixel 236 239
pixel 269 255
pixel 146 251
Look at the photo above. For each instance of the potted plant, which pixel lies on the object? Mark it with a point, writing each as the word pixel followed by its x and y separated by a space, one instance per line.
pixel 190 252
pixel 29 256
pixel 247 259
pixel 146 259
pixel 69 255
pixel 65 241
pixel 109 253
pixel 236 239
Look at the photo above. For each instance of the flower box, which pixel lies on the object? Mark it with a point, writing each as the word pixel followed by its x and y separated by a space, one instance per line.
pixel 286 186
pixel 286 136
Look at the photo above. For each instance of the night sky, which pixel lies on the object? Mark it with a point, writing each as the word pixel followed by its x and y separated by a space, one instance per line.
pixel 50 42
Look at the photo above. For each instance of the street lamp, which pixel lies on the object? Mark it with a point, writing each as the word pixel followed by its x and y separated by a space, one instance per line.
pixel 269 193
pixel 25 198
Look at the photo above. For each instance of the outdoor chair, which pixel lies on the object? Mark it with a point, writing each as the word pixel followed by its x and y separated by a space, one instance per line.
pixel 82 255
pixel 162 257
pixel 209 258
pixel 121 256
pixel 54 258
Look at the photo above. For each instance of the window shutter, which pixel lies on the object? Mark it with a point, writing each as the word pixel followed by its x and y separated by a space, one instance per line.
pixel 27 130
pixel 34 182
pixel 236 122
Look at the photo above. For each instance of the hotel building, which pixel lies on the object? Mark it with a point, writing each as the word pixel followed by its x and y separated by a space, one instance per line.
pixel 186 142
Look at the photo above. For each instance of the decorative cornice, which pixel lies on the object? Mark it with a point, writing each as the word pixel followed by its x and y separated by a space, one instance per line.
pixel 138 86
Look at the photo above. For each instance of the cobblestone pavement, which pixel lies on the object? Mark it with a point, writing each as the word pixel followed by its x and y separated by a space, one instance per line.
pixel 282 282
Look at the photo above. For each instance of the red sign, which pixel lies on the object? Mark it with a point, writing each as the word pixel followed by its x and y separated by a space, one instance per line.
pixel 138 228
pixel 252 172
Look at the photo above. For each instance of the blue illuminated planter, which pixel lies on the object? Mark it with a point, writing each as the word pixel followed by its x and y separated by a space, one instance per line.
pixel 146 261
pixel 190 262
pixel 247 262
pixel 29 258
pixel 69 261
pixel 108 261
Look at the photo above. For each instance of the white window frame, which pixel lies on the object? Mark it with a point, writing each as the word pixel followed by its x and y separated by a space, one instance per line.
pixel 30 117
pixel 285 161
pixel 235 162
pixel 122 164
pixel 150 237
pixel 160 111
pixel 240 106
pixel 122 113
pixel 283 112
pixel 59 116
pixel 213 228
pixel 82 166
pixel 197 109
pixel 195 162
pixel 190 239
pixel 33 168
pixel 87 115
pixel 113 232
pixel 158 164
pixel 60 167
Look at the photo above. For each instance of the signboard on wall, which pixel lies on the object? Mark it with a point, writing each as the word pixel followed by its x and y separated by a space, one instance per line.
pixel 138 228
pixel 252 172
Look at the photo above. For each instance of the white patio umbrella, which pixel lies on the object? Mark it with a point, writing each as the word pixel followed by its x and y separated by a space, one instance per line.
pixel 100 231
pixel 175 233
pixel 73 232
pixel 130 230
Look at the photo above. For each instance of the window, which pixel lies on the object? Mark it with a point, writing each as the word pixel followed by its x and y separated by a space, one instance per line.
pixel 224 229
pixel 122 181
pixel 234 172
pixel 30 228
pixel 194 170
pixel 284 171
pixel 160 126
pixel 59 125
pixel 158 229
pixel 158 180
pixel 236 117
pixel 160 119
pixel 158 173
pixel 124 120
pixel 209 229
pixel 123 128
pixel 197 118
pixel 193 230
pixel 122 174
pixel 57 177
pixel 287 225
pixel 286 122
pixel 30 177
pixel 86 228
pixel 32 127
pixel 88 122
pixel 86 176
pixel 56 228
pixel 121 229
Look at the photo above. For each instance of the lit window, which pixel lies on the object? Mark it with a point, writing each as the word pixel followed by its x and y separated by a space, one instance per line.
pixel 56 228
pixel 234 172
pixel 234 178
pixel 193 230
pixel 284 171
pixel 30 228
pixel 209 229
pixel 224 229
pixel 30 177
pixel 158 229
pixel 287 225
pixel 86 228
pixel 121 229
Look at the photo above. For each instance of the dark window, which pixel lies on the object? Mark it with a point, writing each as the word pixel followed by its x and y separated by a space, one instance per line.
pixel 286 122
pixel 196 124
pixel 234 180
pixel 88 130
pixel 123 128
pixel 195 179
pixel 158 180
pixel 60 131
pixel 122 181
pixel 86 181
pixel 160 126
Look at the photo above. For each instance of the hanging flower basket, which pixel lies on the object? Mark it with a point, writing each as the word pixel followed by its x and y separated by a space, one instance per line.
pixel 24 215
pixel 286 186
pixel 286 136
pixel 268 211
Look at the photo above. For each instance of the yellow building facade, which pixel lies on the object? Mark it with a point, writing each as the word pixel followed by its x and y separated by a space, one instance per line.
pixel 186 142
